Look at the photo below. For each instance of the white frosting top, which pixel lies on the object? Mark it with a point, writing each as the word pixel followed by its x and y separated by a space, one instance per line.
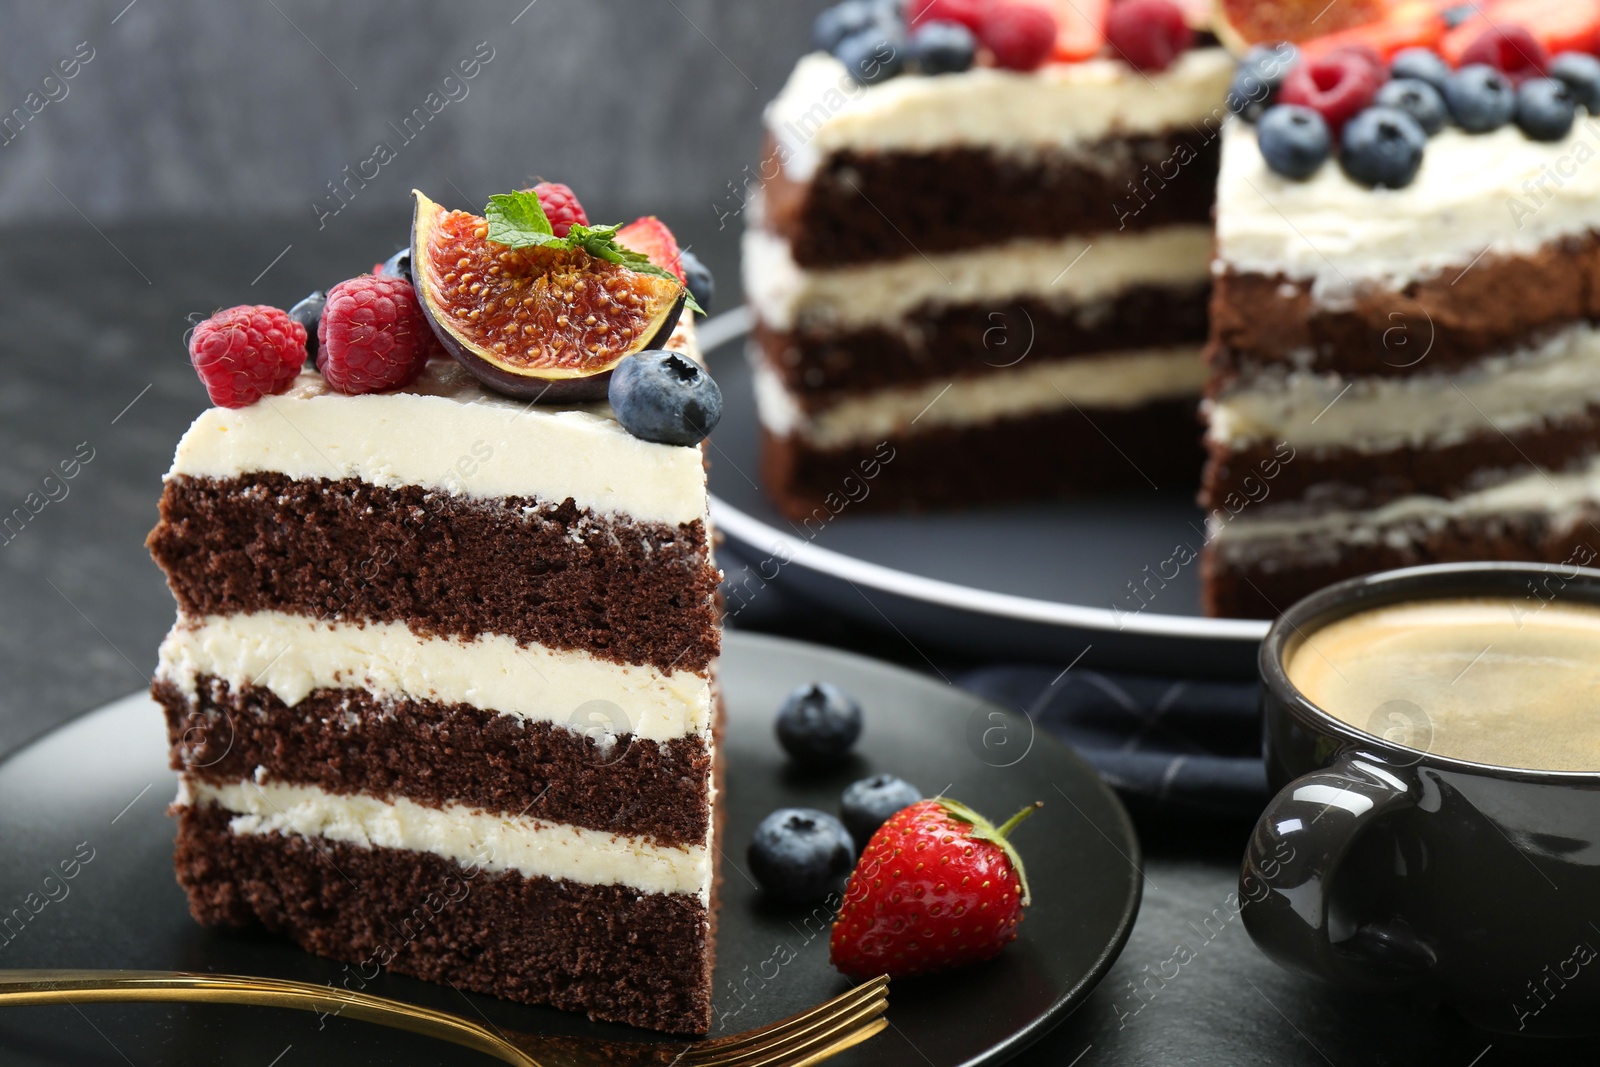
pixel 1498 191
pixel 446 432
pixel 822 110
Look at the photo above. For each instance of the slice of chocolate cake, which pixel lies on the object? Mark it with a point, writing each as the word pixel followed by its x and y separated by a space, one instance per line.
pixel 441 689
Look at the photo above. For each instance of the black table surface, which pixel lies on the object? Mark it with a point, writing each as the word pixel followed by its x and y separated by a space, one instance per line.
pixel 94 364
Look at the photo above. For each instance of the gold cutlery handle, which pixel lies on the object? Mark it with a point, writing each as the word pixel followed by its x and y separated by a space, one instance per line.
pixel 80 987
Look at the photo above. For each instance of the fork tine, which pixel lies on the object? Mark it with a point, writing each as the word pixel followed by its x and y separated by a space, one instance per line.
pixel 796 1034
pixel 862 993
pixel 790 1048
pixel 855 1037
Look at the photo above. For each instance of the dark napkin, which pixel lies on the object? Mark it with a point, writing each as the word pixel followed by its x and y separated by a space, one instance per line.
pixel 1164 744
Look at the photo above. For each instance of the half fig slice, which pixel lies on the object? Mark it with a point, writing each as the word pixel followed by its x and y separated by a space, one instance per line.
pixel 542 323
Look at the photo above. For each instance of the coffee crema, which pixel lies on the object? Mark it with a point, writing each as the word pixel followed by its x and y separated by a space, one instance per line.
pixel 1478 679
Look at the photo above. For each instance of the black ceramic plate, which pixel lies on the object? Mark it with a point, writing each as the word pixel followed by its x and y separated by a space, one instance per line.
pixel 97 788
pixel 1041 581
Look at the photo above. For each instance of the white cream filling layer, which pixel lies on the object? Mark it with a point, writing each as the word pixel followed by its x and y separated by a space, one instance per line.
pixel 1117 380
pixel 1561 496
pixel 1498 191
pixel 474 839
pixel 446 432
pixel 1560 377
pixel 291 655
pixel 1073 271
pixel 822 110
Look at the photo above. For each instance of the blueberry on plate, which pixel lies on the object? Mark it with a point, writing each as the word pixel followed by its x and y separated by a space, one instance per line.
pixel 836 23
pixel 1581 73
pixel 1423 64
pixel 664 397
pixel 1294 140
pixel 818 723
pixel 873 55
pixel 867 804
pixel 1545 109
pixel 397 265
pixel 1382 146
pixel 942 48
pixel 799 854
pixel 1480 98
pixel 697 276
pixel 308 312
pixel 1418 99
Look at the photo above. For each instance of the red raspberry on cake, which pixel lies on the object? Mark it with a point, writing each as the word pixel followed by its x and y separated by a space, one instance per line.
pixel 1336 85
pixel 1512 50
pixel 561 207
pixel 247 352
pixel 968 13
pixel 373 336
pixel 1020 35
pixel 1148 34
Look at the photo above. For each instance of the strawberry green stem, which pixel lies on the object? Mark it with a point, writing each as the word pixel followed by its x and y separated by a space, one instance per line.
pixel 1005 828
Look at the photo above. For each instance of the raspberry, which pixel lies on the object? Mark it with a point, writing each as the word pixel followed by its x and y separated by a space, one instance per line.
pixel 247 352
pixel 373 336
pixel 1510 49
pixel 968 13
pixel 561 207
pixel 1149 34
pixel 1021 36
pixel 1335 85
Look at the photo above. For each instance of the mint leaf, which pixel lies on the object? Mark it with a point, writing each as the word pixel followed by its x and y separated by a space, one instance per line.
pixel 517 220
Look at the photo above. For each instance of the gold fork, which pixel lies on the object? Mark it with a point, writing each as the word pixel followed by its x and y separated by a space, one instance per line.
pixel 798 1041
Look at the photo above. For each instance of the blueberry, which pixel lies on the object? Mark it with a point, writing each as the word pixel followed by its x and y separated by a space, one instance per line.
pixel 665 397
pixel 818 723
pixel 872 56
pixel 397 265
pixel 1382 146
pixel 702 286
pixel 1545 109
pixel 841 21
pixel 308 312
pixel 1581 72
pixel 1457 14
pixel 1294 140
pixel 942 48
pixel 1480 98
pixel 1423 64
pixel 867 804
pixel 1418 99
pixel 799 854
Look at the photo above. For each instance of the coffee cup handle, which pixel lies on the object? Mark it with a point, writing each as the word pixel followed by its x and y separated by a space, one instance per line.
pixel 1294 854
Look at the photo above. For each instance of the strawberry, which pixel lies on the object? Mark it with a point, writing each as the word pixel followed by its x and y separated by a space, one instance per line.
pixel 938 886
pixel 650 237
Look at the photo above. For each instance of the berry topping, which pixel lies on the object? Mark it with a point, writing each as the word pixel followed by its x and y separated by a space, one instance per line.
pixel 968 13
pixel 1245 22
pixel 561 207
pixel 1421 64
pixel 1545 109
pixel 873 55
pixel 247 352
pixel 942 48
pixel 1294 141
pixel 1148 34
pixel 1480 98
pixel 373 336
pixel 308 312
pixel 836 23
pixel 1256 80
pixel 697 276
pixel 937 887
pixel 1335 85
pixel 1581 72
pixel 1459 13
pixel 1510 49
pixel 1419 100
pixel 818 723
pixel 867 804
pixel 396 266
pixel 650 237
pixel 1020 35
pixel 799 854
pixel 664 397
pixel 1382 146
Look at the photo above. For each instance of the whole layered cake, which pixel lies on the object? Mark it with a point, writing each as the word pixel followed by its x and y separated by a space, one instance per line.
pixel 441 690
pixel 981 248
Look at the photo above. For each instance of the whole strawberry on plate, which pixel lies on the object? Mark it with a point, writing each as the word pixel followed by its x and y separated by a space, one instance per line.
pixel 938 886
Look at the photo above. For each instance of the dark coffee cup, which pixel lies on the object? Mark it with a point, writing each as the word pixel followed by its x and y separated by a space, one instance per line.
pixel 1381 866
